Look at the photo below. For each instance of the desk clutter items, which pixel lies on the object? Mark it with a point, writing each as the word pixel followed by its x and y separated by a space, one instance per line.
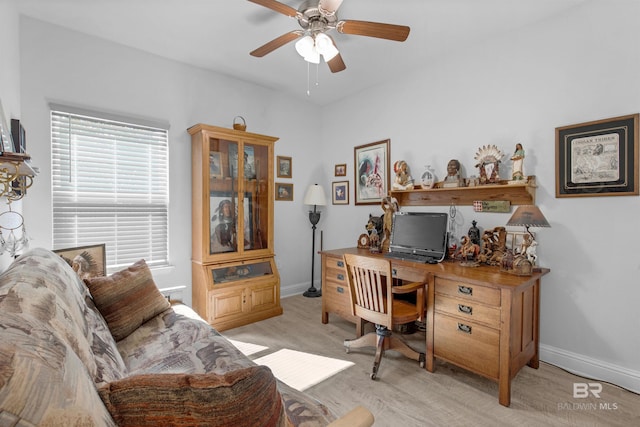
pixel 490 248
pixel 378 228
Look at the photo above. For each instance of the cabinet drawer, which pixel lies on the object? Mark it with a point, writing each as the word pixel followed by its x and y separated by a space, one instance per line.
pixel 467 344
pixel 457 289
pixel 468 310
pixel 336 296
pixel 331 262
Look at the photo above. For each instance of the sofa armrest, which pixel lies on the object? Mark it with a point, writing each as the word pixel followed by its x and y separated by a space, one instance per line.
pixel 357 417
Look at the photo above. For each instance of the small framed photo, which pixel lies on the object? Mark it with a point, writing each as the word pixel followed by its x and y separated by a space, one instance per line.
pixel 215 164
pixel 598 158
pixel 6 141
pixel 284 192
pixel 87 261
pixel 341 170
pixel 284 167
pixel 340 192
pixel 371 172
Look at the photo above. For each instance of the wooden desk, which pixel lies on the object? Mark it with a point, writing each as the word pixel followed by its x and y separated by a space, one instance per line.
pixel 478 318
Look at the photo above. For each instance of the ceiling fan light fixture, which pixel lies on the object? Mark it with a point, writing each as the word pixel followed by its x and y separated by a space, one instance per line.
pixel 305 46
pixel 313 56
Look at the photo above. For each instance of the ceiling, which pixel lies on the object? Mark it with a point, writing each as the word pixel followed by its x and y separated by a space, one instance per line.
pixel 219 34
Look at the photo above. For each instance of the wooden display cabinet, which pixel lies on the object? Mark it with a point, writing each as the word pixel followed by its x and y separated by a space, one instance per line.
pixel 235 279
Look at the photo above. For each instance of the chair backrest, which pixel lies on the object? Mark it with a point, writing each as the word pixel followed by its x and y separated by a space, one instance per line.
pixel 370 283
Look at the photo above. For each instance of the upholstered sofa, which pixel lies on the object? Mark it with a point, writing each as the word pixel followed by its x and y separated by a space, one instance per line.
pixel 113 351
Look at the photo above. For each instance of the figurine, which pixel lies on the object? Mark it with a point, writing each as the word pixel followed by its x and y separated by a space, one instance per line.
pixel 489 158
pixel 389 206
pixel 469 251
pixel 474 233
pixel 517 168
pixel 374 229
pixel 453 178
pixel 403 180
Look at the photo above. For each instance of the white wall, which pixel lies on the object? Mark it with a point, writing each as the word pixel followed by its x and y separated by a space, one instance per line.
pixel 518 88
pixel 9 84
pixel 575 68
pixel 68 67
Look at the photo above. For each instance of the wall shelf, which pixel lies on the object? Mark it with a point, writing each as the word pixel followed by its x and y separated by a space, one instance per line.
pixel 16 175
pixel 517 194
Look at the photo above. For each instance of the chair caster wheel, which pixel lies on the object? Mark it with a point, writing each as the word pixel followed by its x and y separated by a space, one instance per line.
pixel 421 362
pixel 372 376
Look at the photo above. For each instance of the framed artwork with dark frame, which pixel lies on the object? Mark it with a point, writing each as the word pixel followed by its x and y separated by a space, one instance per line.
pixel 598 158
pixel 223 209
pixel 340 170
pixel 6 141
pixel 340 192
pixel 371 172
pixel 88 261
pixel 284 167
pixel 284 192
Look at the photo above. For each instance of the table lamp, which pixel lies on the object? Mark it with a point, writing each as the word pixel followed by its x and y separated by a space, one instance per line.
pixel 529 216
pixel 314 196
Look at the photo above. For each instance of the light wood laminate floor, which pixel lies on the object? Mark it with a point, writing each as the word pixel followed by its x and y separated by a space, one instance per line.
pixel 405 395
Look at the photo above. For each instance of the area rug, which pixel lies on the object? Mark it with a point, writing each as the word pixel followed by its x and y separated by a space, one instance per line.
pixel 302 370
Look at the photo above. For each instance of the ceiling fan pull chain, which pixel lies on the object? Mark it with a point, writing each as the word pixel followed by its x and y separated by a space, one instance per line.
pixel 308 91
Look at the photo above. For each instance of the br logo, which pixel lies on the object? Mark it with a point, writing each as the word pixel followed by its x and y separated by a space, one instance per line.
pixel 582 390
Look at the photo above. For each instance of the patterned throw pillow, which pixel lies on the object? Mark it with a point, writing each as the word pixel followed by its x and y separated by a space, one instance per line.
pixel 127 299
pixel 245 397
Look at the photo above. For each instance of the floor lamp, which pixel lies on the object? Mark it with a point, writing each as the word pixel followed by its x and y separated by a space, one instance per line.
pixel 315 197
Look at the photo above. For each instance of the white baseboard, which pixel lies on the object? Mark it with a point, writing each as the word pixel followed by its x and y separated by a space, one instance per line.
pixel 591 368
pixel 296 289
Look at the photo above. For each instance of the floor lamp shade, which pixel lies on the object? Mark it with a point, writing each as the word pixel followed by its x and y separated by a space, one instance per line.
pixel 314 196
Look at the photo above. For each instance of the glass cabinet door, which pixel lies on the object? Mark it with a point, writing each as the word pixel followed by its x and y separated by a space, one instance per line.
pixel 238 196
pixel 256 188
pixel 223 192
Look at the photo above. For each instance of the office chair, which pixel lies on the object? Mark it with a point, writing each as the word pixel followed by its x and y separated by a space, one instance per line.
pixel 370 285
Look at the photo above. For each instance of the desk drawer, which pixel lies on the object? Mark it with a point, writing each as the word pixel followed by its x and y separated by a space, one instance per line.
pixel 457 289
pixel 468 310
pixel 467 344
pixel 336 298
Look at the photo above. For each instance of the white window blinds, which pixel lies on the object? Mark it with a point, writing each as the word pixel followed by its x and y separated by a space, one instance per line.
pixel 110 185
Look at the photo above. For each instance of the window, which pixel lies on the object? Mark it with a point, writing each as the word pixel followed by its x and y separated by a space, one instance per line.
pixel 110 185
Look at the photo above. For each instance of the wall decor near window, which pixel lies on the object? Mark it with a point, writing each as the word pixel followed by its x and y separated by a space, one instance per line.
pixel 340 170
pixel 284 192
pixel 371 172
pixel 284 167
pixel 6 142
pixel 598 158
pixel 340 191
pixel 88 261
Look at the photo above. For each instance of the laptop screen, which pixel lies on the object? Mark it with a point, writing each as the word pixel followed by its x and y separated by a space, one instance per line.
pixel 420 233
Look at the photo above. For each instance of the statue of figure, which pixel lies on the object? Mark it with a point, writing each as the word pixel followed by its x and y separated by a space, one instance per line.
pixel 474 233
pixel 403 180
pixel 517 168
pixel 453 178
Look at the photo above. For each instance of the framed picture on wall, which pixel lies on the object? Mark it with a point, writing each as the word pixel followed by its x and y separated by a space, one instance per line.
pixel 341 170
pixel 284 192
pixel 598 158
pixel 340 192
pixel 371 172
pixel 284 167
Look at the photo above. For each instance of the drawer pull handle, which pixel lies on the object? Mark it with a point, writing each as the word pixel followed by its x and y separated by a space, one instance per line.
pixel 340 277
pixel 340 289
pixel 465 309
pixel 466 290
pixel 340 264
pixel 464 328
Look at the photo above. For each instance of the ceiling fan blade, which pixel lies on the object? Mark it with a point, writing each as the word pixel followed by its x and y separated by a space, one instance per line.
pixel 336 64
pixel 276 43
pixel 277 6
pixel 374 29
pixel 329 7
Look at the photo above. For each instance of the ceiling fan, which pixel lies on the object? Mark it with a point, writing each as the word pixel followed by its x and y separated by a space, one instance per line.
pixel 317 17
